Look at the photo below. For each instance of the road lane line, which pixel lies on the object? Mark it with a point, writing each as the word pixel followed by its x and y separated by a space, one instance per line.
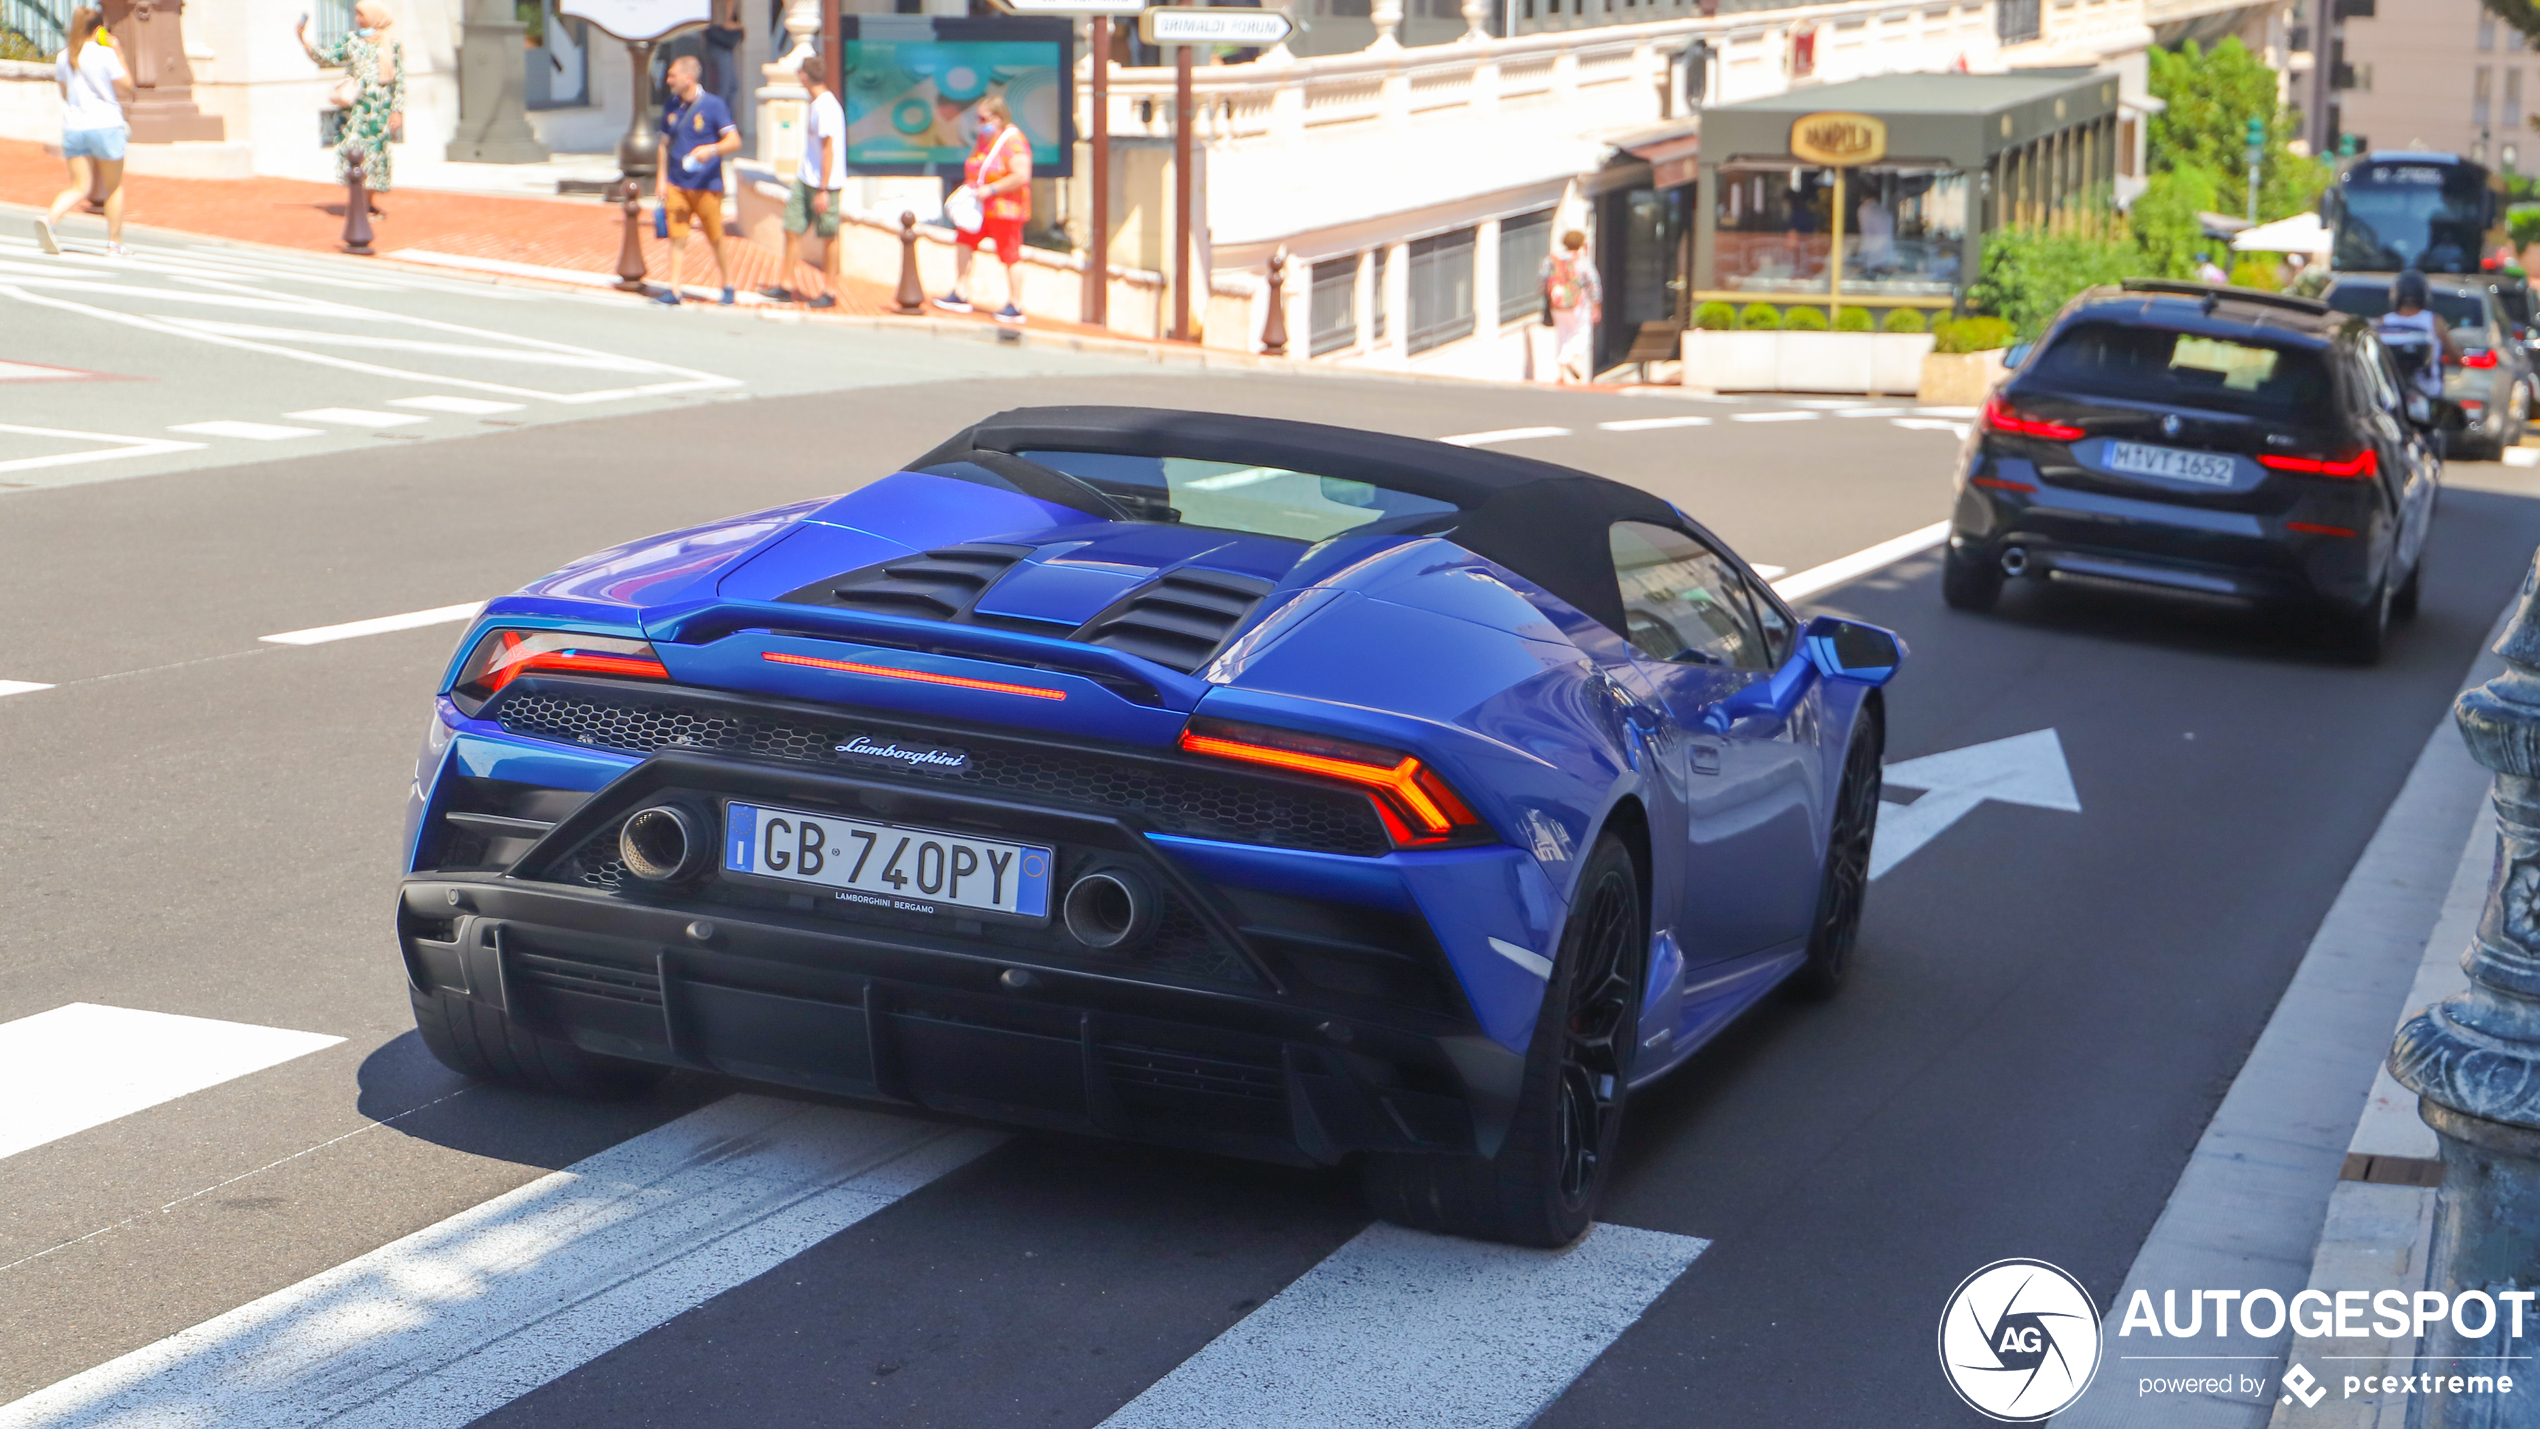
pixel 1399 1328
pixel 1775 416
pixel 120 447
pixel 247 431
pixel 1505 434
pixel 1860 563
pixel 461 406
pixel 1876 412
pixel 1652 424
pixel 437 1329
pixel 412 620
pixel 83 1065
pixel 21 687
pixel 1930 424
pixel 356 417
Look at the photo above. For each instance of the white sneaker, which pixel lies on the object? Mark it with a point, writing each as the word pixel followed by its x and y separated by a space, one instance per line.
pixel 44 237
pixel 117 250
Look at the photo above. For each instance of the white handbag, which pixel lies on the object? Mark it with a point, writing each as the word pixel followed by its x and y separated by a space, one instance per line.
pixel 962 206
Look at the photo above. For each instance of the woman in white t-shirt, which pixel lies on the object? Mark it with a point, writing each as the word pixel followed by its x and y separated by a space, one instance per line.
pixel 95 88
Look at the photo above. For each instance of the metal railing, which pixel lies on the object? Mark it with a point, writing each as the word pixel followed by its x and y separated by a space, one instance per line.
pixel 33 29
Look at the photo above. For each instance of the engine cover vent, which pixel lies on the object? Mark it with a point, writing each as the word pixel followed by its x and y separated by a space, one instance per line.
pixel 1179 619
pixel 941 584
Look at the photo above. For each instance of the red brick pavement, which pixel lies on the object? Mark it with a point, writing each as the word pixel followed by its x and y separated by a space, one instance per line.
pixel 582 234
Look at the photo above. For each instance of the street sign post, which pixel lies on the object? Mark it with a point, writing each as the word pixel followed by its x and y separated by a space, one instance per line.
pixel 1207 25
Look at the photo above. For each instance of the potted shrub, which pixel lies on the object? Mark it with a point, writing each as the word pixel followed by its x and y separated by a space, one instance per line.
pixel 1897 350
pixel 1813 359
pixel 1965 362
pixel 1710 348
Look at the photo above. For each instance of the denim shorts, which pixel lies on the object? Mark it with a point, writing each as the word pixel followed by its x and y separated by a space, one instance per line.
pixel 95 143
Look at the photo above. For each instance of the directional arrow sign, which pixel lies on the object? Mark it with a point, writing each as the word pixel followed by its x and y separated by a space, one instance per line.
pixel 1208 25
pixel 2024 769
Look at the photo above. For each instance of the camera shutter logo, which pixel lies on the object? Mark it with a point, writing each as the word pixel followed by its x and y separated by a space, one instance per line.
pixel 2019 1340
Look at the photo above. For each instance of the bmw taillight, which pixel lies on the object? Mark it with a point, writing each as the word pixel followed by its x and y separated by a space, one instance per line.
pixel 1419 808
pixel 2001 416
pixel 2480 358
pixel 2355 466
pixel 502 656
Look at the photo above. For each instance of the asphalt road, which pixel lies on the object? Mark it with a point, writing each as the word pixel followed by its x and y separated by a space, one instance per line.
pixel 2048 1007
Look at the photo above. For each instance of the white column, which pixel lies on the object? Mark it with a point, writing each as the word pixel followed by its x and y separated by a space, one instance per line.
pixel 1364 302
pixel 782 97
pixel 1486 287
pixel 1398 300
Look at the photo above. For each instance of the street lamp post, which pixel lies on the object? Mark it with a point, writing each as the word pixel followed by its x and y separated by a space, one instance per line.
pixel 2257 154
pixel 2474 1058
pixel 638 159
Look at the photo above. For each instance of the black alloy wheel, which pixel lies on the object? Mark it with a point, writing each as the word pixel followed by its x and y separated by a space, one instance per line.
pixel 2360 635
pixel 1844 891
pixel 1598 1033
pixel 1967 583
pixel 1540 1187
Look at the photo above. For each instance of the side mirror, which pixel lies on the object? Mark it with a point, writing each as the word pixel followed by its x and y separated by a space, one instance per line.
pixel 2017 354
pixel 1848 650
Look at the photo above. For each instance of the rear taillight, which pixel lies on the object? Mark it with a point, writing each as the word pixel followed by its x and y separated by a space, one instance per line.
pixel 2001 416
pixel 1419 808
pixel 2356 466
pixel 502 656
pixel 2480 358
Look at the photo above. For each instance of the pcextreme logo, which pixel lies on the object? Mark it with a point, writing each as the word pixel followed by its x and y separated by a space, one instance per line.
pixel 2019 1340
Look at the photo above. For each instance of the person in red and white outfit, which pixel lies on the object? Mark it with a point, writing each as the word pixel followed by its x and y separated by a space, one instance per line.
pixel 999 174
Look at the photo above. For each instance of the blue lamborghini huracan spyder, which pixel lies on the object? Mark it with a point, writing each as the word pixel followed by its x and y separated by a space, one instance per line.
pixel 1273 789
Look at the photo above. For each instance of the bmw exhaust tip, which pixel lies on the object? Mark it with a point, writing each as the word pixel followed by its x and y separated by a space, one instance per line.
pixel 1109 908
pixel 663 844
pixel 2015 562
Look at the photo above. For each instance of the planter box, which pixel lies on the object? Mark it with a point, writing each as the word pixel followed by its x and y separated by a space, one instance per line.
pixel 1896 361
pixel 1959 379
pixel 1825 362
pixel 1730 361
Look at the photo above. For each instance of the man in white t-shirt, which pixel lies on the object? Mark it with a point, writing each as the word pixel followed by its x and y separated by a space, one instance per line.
pixel 817 182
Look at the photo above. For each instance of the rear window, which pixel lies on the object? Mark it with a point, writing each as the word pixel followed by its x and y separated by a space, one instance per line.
pixel 1258 500
pixel 2372 300
pixel 2181 369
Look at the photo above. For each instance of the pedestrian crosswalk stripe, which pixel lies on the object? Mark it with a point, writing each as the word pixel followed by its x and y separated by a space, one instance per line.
pixel 356 417
pixel 437 1329
pixel 380 625
pixel 1399 1329
pixel 98 1064
pixel 1652 424
pixel 21 687
pixel 459 406
pixel 1774 416
pixel 1504 434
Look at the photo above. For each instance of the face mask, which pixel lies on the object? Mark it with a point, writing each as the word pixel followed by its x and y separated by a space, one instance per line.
pixel 365 32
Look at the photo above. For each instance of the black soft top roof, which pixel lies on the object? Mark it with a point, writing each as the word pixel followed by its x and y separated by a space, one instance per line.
pixel 1545 522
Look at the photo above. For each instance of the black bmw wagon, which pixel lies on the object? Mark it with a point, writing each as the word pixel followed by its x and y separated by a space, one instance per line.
pixel 2206 441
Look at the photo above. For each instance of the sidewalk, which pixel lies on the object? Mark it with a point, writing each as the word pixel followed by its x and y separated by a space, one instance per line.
pixel 576 235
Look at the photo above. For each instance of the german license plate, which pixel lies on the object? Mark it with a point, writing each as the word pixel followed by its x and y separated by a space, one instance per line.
pixel 2203 468
pixel 885 865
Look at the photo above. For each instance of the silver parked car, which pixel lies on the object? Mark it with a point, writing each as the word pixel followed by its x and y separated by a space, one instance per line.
pixel 2493 381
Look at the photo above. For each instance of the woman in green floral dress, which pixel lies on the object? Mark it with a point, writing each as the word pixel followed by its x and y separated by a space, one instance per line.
pixel 374 66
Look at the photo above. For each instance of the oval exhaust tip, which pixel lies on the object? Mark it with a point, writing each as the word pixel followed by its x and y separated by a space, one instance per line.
pixel 2015 562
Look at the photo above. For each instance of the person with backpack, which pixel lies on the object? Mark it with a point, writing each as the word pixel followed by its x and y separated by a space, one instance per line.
pixel 1573 299
pixel 95 88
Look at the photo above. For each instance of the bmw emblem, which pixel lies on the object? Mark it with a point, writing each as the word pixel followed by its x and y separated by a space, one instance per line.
pixel 2169 424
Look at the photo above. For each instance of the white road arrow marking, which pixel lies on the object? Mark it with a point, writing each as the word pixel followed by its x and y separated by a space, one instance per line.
pixel 2024 769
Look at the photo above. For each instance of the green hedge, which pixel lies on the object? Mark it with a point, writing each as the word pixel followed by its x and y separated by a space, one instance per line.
pixel 1853 320
pixel 1804 320
pixel 2254 273
pixel 1975 334
pixel 2522 223
pixel 1902 320
pixel 1759 317
pixel 1715 316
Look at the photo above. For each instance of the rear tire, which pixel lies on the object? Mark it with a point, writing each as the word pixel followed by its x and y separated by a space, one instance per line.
pixel 2361 634
pixel 1967 584
pixel 2403 606
pixel 476 1041
pixel 1843 891
pixel 1542 1187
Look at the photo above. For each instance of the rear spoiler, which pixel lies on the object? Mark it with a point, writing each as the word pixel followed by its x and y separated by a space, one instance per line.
pixel 2214 293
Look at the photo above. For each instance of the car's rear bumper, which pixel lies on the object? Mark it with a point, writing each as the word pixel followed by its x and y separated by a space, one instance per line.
pixel 1290 1005
pixel 2052 532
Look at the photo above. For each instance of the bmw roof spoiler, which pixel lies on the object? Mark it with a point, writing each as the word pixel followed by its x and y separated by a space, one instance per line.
pixel 2214 293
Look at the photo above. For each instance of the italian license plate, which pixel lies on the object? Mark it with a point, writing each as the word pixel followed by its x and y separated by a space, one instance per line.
pixel 885 865
pixel 2202 468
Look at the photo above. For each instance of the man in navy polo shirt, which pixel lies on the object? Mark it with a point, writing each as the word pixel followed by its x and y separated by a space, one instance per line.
pixel 697 131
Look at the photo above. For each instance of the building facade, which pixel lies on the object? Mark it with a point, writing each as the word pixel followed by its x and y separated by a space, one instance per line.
pixel 2439 74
